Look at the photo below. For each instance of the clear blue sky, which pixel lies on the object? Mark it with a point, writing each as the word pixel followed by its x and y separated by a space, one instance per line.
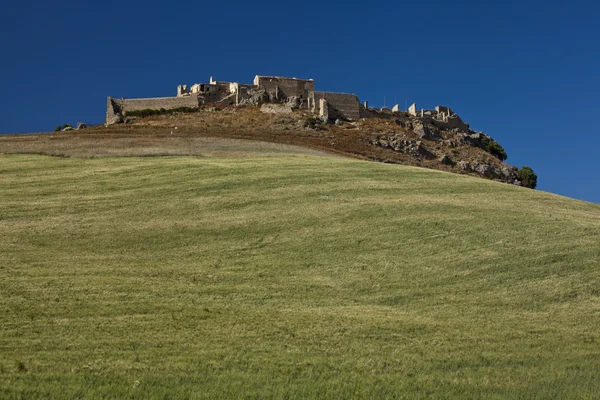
pixel 525 72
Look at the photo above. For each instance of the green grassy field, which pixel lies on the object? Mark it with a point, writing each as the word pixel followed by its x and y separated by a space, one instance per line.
pixel 292 276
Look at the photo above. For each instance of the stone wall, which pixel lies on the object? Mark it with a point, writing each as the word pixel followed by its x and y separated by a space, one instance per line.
pixel 412 110
pixel 341 105
pixel 217 92
pixel 111 111
pixel 323 110
pixel 121 106
pixel 453 122
pixel 281 89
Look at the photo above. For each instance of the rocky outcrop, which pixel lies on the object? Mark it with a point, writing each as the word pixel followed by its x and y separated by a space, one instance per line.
pixel 502 173
pixel 445 159
pixel 428 132
pixel 422 138
pixel 414 147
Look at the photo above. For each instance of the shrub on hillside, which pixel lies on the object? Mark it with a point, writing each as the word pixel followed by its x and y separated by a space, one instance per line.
pixel 494 148
pixel 147 112
pixel 60 128
pixel 527 177
pixel 311 122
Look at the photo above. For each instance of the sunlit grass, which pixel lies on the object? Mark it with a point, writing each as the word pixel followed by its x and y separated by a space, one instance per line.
pixel 290 277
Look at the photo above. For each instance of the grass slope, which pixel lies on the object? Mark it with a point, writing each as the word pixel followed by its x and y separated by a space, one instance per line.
pixel 290 276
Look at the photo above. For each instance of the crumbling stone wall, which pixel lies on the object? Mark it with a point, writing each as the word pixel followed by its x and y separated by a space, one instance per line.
pixel 112 110
pixel 341 105
pixel 323 110
pixel 218 92
pixel 121 106
pixel 412 110
pixel 291 92
pixel 453 122
pixel 282 89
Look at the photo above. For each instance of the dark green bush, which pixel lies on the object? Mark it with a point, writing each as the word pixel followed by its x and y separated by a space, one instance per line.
pixel 60 128
pixel 150 112
pixel 527 177
pixel 311 122
pixel 494 148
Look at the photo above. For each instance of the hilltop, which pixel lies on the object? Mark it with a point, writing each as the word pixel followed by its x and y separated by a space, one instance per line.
pixel 386 136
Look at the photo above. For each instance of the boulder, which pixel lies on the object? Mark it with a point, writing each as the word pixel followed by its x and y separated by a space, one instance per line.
pixel 464 165
pixel 484 170
pixel 445 159
pixel 419 129
pixel 81 125
pixel 424 131
pixel 420 151
pixel 508 174
pixel 276 108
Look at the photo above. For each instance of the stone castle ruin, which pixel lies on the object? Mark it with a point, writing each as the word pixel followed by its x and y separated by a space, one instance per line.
pixel 291 92
pixel 282 95
pixel 279 94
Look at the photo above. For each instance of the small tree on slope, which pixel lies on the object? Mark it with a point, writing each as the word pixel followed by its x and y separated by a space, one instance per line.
pixel 527 177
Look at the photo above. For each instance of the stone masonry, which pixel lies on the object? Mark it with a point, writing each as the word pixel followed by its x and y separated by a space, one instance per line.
pixel 291 92
pixel 116 108
pixel 341 105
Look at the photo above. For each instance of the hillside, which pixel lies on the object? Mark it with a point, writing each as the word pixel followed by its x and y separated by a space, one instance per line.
pixel 390 137
pixel 265 271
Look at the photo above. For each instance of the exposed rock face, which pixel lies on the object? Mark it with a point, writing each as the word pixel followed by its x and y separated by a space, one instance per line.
pixel 423 131
pixel 414 147
pixel 464 166
pixel 489 170
pixel 445 159
pixel 433 142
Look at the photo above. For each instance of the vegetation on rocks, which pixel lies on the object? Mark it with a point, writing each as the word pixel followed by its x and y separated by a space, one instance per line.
pixel 312 122
pixel 60 128
pixel 493 147
pixel 150 112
